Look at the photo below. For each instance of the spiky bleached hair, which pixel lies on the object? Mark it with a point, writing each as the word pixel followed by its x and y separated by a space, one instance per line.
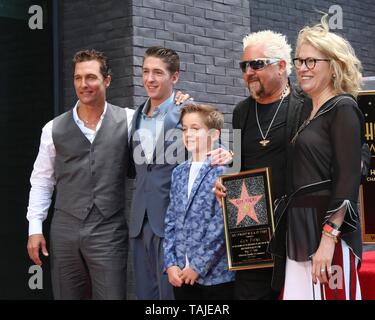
pixel 275 45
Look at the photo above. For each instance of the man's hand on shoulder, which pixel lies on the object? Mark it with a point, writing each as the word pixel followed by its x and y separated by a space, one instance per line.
pixel 220 157
pixel 182 97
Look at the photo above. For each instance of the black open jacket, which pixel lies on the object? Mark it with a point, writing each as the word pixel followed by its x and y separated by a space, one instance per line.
pixel 278 244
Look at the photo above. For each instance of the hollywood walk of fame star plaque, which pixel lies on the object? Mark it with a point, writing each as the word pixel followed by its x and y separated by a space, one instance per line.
pixel 248 219
pixel 366 102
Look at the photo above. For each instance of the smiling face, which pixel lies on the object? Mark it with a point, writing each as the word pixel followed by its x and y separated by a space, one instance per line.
pixel 266 82
pixel 318 79
pixel 89 83
pixel 197 138
pixel 157 80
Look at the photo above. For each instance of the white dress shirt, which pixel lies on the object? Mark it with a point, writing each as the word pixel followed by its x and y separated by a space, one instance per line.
pixel 193 174
pixel 43 176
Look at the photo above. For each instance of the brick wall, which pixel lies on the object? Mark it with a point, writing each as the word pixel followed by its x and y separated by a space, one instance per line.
pixel 289 16
pixel 208 37
pixel 207 34
pixel 106 26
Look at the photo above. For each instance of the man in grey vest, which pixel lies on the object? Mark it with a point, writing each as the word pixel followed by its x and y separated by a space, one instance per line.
pixel 83 154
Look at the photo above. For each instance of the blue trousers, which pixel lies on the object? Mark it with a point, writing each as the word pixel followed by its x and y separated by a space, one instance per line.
pixel 151 283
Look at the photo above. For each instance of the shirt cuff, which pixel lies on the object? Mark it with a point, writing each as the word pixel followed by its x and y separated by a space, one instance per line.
pixel 35 227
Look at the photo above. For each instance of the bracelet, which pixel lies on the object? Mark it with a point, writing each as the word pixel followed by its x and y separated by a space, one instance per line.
pixel 329 235
pixel 333 225
pixel 331 230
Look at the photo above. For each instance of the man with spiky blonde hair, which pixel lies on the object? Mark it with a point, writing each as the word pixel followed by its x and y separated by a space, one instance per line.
pixel 271 68
pixel 275 44
pixel 266 119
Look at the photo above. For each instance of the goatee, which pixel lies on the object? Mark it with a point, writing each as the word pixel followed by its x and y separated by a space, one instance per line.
pixel 256 94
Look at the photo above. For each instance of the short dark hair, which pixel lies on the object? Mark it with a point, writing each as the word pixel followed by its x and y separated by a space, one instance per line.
pixel 168 56
pixel 211 117
pixel 92 54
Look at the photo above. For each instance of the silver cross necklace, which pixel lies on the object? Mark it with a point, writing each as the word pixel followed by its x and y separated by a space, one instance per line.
pixel 264 140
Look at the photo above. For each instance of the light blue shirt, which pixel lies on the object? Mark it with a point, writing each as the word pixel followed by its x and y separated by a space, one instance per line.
pixel 150 127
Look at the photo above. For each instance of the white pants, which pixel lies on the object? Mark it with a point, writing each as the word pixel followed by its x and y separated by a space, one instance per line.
pixel 343 285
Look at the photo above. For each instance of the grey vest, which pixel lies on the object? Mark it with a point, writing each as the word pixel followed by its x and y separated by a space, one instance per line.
pixel 88 174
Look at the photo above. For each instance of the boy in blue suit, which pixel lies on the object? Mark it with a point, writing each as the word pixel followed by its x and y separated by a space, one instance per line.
pixel 194 248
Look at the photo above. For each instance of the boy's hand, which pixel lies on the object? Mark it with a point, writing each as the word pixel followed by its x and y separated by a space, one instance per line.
pixel 174 276
pixel 189 276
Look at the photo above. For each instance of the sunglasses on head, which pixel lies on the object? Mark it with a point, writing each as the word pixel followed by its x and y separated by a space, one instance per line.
pixel 257 64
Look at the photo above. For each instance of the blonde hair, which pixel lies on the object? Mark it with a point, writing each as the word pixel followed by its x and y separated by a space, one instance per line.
pixel 275 45
pixel 345 65
pixel 212 118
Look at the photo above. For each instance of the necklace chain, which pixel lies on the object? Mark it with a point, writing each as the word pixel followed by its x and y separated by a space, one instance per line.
pixel 87 122
pixel 90 123
pixel 264 140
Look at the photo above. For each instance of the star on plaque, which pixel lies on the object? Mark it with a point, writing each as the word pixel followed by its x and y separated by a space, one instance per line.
pixel 246 205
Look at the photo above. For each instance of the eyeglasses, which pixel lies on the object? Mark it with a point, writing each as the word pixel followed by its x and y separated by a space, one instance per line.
pixel 309 62
pixel 257 64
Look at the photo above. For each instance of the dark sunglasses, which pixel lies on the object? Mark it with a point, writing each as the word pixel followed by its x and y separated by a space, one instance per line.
pixel 257 64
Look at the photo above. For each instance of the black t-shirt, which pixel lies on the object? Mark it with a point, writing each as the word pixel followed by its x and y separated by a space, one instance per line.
pixel 273 155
